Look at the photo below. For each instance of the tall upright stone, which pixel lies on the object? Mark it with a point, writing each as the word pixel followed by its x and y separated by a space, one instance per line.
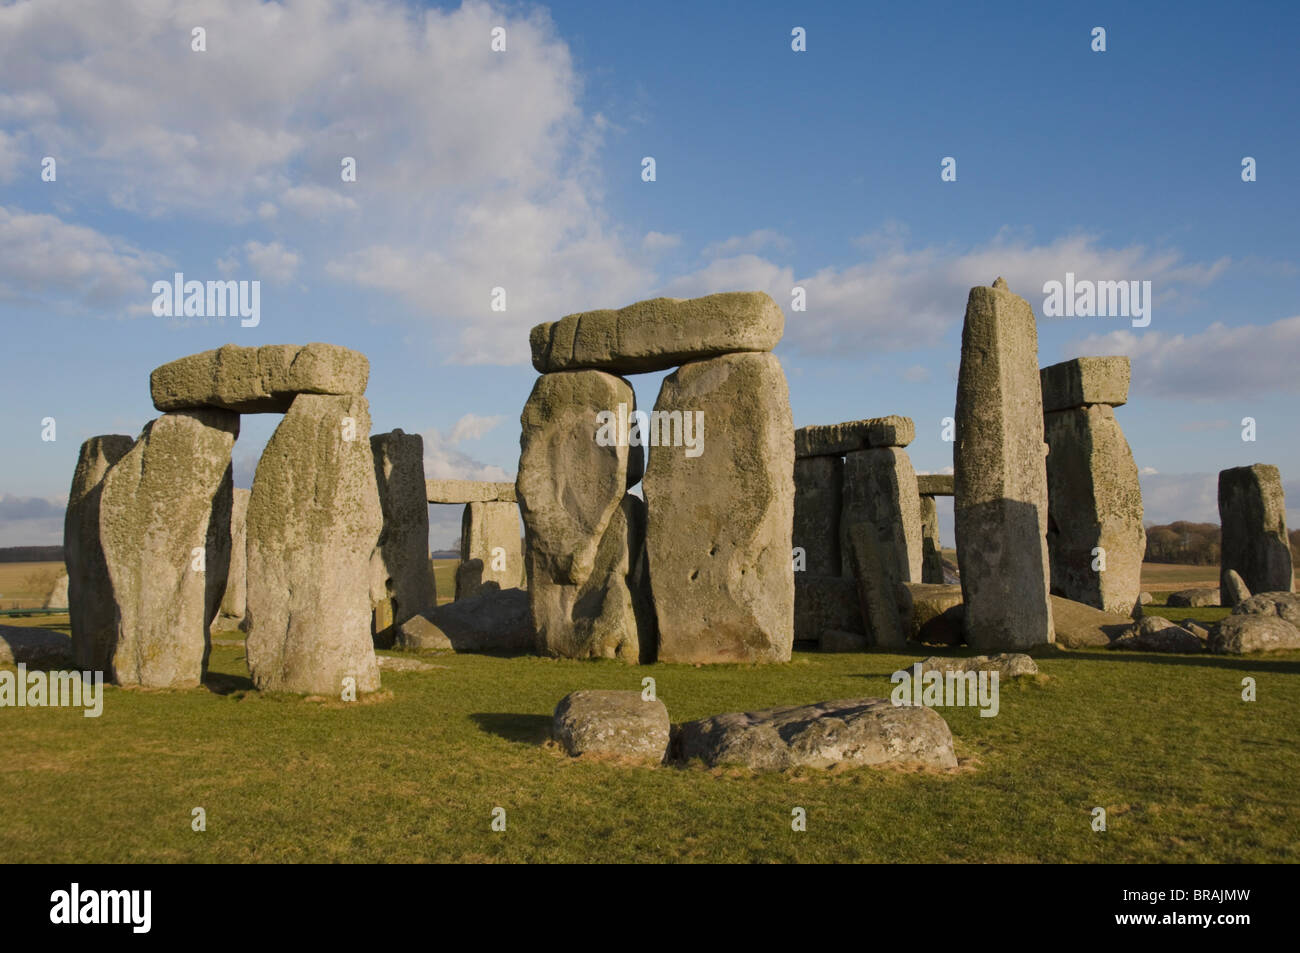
pixel 90 594
pixel 817 502
pixel 1095 538
pixel 314 518
pixel 490 553
pixel 401 585
pixel 721 520
pixel 1252 514
pixel 235 600
pixel 1000 484
pixel 571 484
pixel 931 548
pixel 164 520
pixel 880 489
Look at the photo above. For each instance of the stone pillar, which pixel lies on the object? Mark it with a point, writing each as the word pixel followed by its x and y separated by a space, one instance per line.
pixel 571 487
pixel 880 490
pixel 817 501
pixel 314 518
pixel 90 594
pixel 235 599
pixel 1000 483
pixel 931 549
pixel 1252 513
pixel 1094 500
pixel 401 585
pixel 489 548
pixel 164 519
pixel 722 515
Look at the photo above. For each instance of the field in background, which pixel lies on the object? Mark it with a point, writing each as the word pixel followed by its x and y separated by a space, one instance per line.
pixel 25 585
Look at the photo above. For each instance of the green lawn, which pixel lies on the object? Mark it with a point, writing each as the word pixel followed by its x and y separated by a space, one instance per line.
pixel 1187 771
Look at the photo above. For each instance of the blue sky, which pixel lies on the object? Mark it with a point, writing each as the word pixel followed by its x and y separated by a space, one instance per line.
pixel 522 169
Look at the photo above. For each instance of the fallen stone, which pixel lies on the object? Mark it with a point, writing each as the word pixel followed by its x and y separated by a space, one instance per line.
pixel 91 613
pixel 33 647
pixel 1006 664
pixel 496 621
pixel 1000 489
pixel 1241 634
pixel 468 491
pixel 612 724
pixel 658 334
pixel 721 522
pixel 817 502
pixel 838 439
pixel 1193 598
pixel 854 732
pixel 1080 627
pixel 257 380
pixel 1232 588
pixel 1085 381
pixel 314 518
pixel 931 613
pixel 836 640
pixel 1198 630
pixel 1252 513
pixel 879 490
pixel 164 523
pixel 1284 605
pixel 489 548
pixel 934 484
pixel 1154 634
pixel 825 602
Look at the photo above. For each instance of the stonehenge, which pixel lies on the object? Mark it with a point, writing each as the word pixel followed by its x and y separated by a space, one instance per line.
pixel 489 537
pixel 928 486
pixel 1095 537
pixel 234 601
pixel 1000 485
pixel 1252 512
pixel 401 585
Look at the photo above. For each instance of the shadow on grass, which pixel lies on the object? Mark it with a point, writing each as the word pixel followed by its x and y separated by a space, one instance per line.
pixel 219 683
pixel 1229 662
pixel 525 729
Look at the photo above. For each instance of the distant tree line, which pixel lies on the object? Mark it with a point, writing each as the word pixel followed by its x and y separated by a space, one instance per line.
pixel 31 554
pixel 1196 544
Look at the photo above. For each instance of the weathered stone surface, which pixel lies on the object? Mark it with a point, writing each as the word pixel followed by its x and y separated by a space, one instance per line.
pixel 825 602
pixel 1252 513
pixel 468 491
pixel 253 380
pixel 1080 627
pixel 1193 598
pixel 496 621
pixel 234 601
pixel 721 522
pixel 837 640
pixel 1239 634
pixel 608 615
pixel 91 612
pixel 1006 664
pixel 931 613
pixel 1094 502
pixel 1085 381
pixel 57 597
pixel 1232 588
pixel 817 502
pixel 934 484
pixel 314 518
pixel 880 489
pixel 490 554
pixel 1154 634
pixel 1284 605
pixel 1000 489
pixel 33 647
pixel 838 439
pixel 612 724
pixel 931 548
pixel 855 732
pixel 658 334
pixel 400 582
pixel 164 521
pixel 569 485
pixel 876 588
pixel 395 663
pixel 1145 598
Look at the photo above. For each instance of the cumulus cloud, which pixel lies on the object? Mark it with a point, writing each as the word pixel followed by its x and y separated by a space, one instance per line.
pixel 755 241
pixel 472 426
pixel 657 242
pixel 271 262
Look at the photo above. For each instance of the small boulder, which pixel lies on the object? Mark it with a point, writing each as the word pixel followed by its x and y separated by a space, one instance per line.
pixel 932 613
pixel 1156 634
pixel 1233 588
pixel 1239 634
pixel 1145 598
pixel 1193 598
pixel 618 724
pixel 1080 626
pixel 1284 605
pixel 1006 664
pixel 493 621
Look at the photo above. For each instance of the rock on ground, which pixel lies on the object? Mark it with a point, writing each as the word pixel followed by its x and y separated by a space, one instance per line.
pixel 164 522
pixel 1193 598
pixel 854 732
pixel 1232 588
pixel 931 613
pixel 1284 605
pixel 619 724
pixel 1006 664
pixel 1079 626
pixel 257 380
pixel 314 518
pixel 33 647
pixel 1240 634
pixel 720 523
pixel 1155 634
pixel 496 621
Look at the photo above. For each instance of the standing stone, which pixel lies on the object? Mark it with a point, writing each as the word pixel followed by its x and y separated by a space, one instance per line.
pixel 164 518
pixel 1233 590
pixel 57 598
pixel 880 489
pixel 489 548
pixel 401 585
pixel 876 587
pixel 314 518
pixel 235 600
pixel 578 526
pixel 1252 513
pixel 931 549
pixel 1094 503
pixel 817 502
pixel 825 602
pixel 1000 487
pixel 90 599
pixel 721 521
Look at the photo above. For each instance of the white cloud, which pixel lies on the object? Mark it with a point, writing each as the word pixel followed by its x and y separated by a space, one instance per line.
pixel 755 241
pixel 11 155
pixel 271 262
pixel 1168 497
pixel 655 242
pixel 316 201
pixel 472 426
